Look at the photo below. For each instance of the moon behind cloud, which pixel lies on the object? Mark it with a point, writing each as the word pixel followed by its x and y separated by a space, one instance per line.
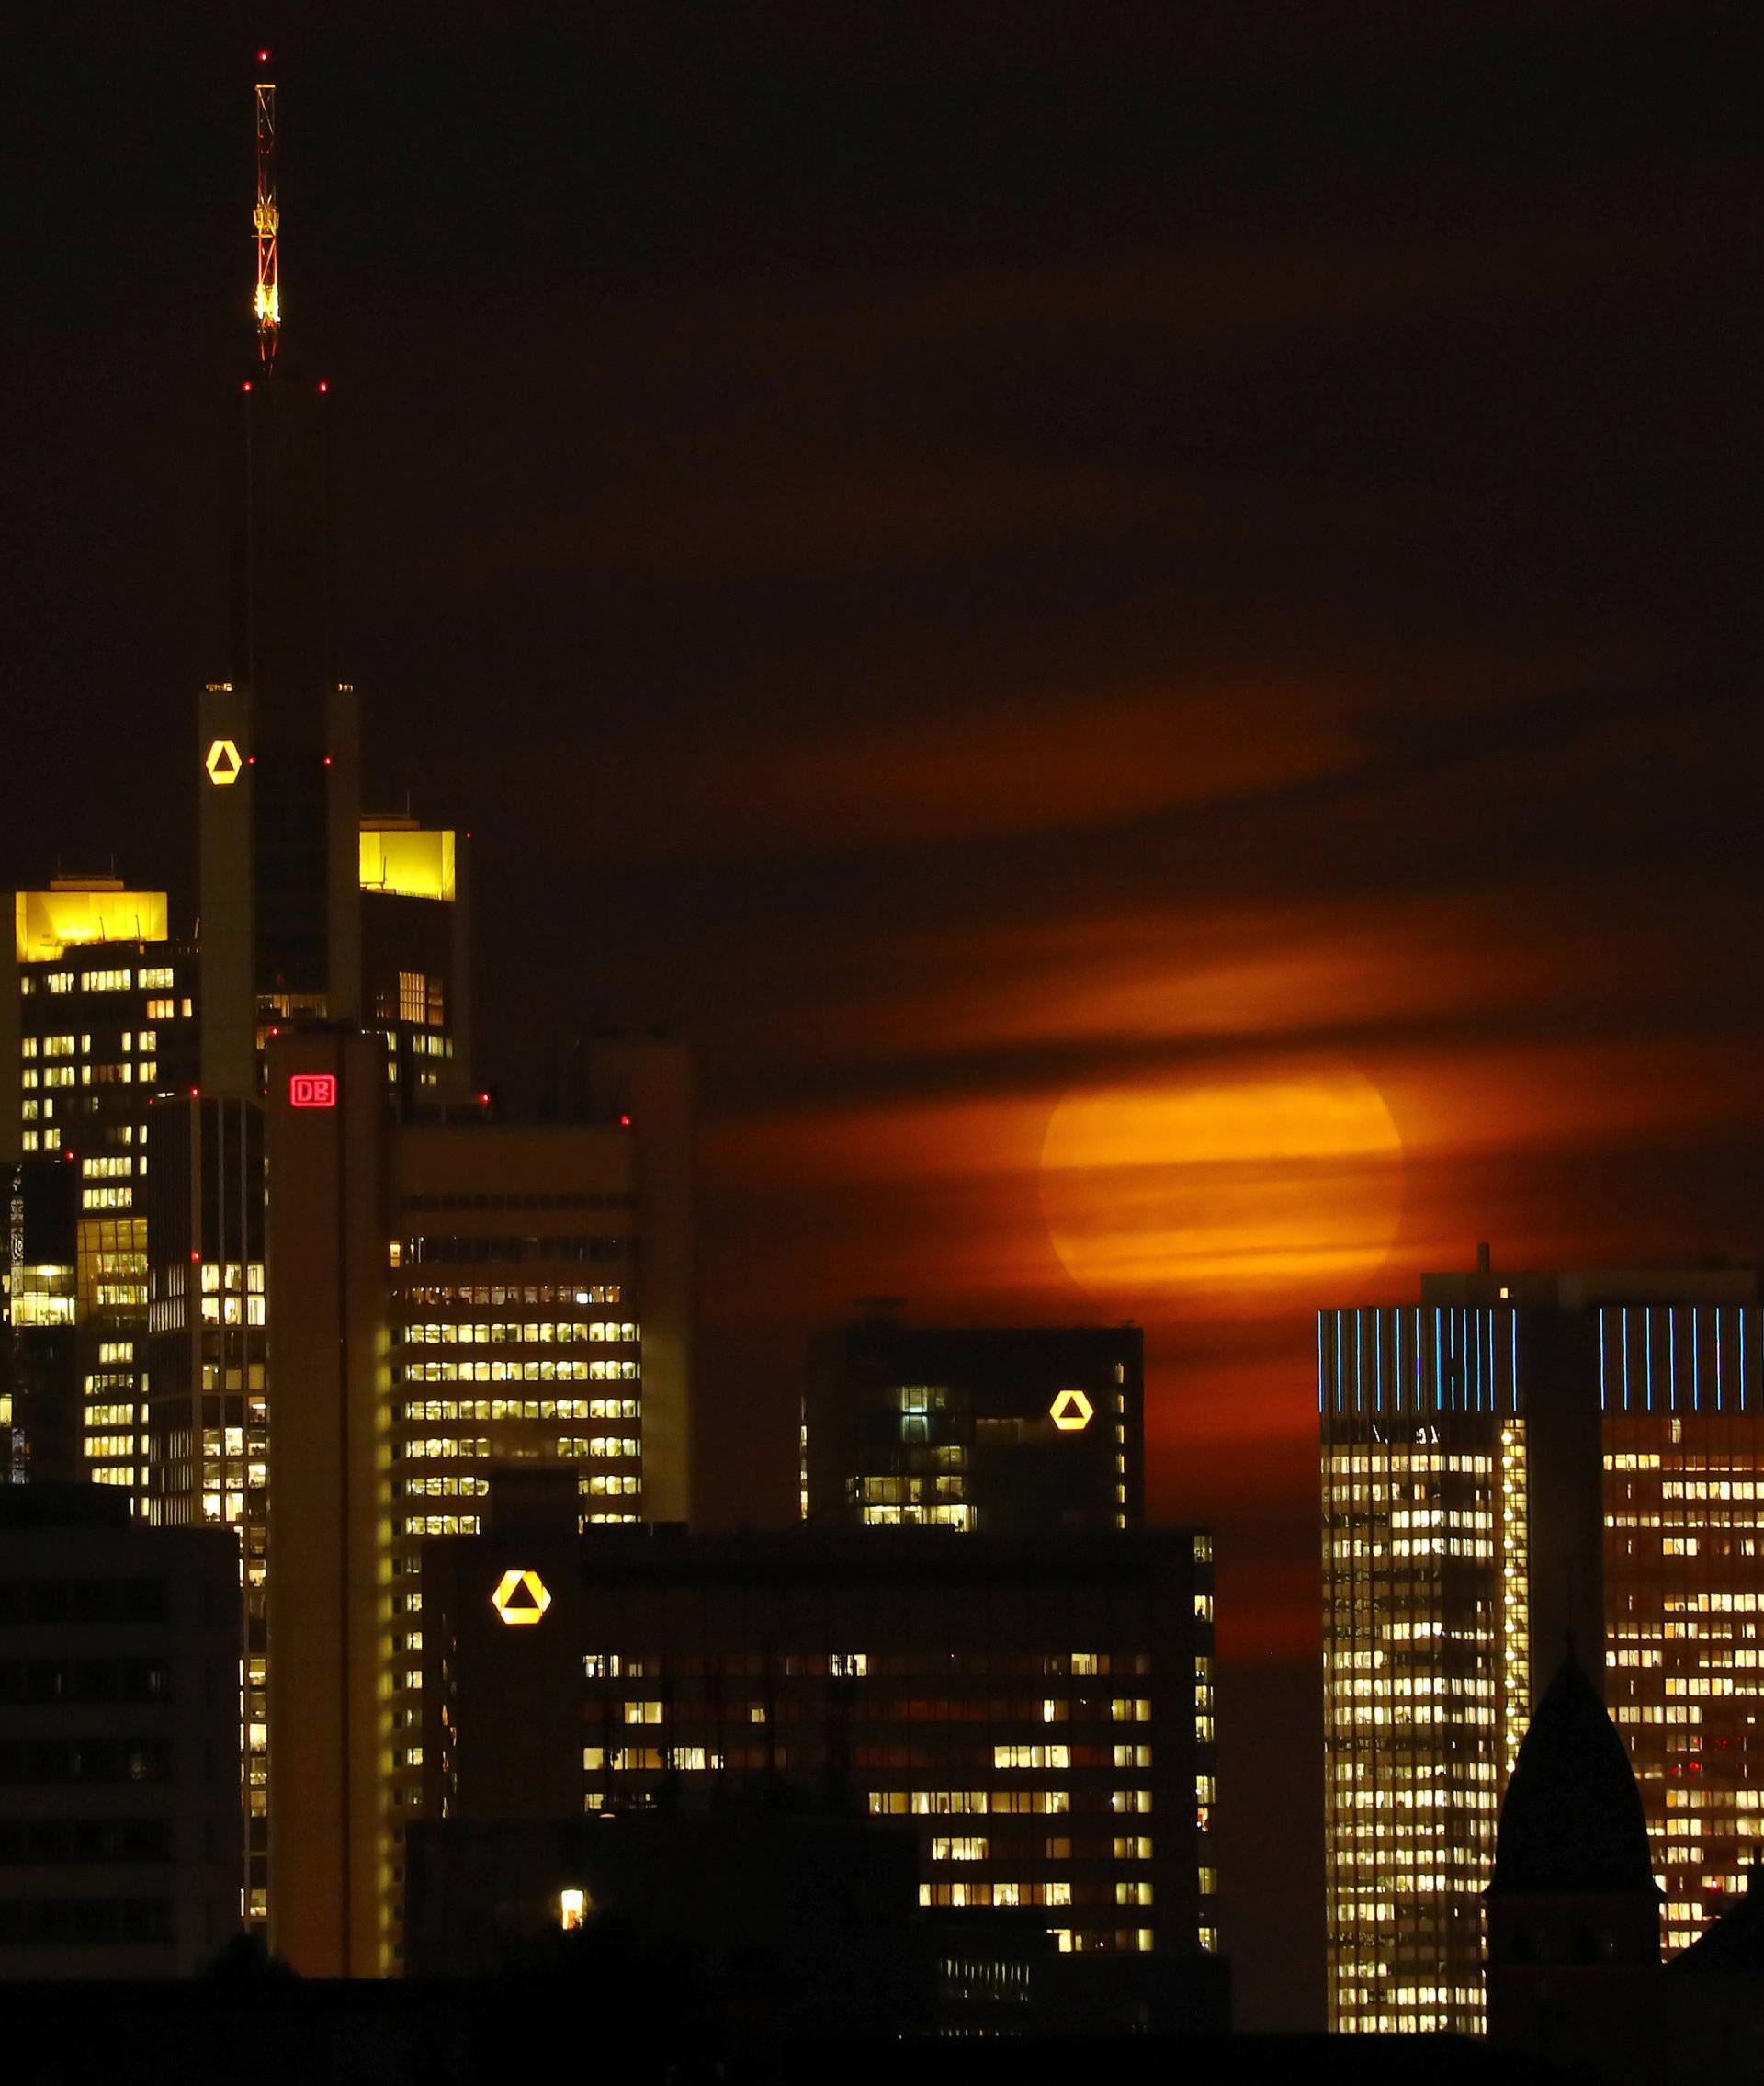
pixel 1285 1183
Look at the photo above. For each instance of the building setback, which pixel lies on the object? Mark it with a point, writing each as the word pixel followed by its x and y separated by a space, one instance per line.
pixel 1038 1713
pixel 1000 1430
pixel 120 1849
pixel 1521 1462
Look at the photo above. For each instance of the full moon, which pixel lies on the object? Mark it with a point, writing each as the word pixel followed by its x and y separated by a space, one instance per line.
pixel 1289 1181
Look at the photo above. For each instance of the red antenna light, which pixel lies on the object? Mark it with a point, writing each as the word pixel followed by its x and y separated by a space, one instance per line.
pixel 263 58
pixel 323 388
pixel 623 1122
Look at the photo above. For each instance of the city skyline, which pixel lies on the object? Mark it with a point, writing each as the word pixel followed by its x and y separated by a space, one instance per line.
pixel 1038 653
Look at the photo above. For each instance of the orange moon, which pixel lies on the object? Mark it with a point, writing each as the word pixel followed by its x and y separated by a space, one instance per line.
pixel 1289 1181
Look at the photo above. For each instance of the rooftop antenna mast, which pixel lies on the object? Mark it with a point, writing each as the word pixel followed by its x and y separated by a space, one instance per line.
pixel 267 220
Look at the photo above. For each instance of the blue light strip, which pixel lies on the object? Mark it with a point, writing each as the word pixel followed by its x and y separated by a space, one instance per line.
pixel 1647 1353
pixel 1717 1357
pixel 1321 1407
pixel 1439 1357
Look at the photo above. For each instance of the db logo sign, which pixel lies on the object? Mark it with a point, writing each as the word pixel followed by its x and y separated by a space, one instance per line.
pixel 312 1090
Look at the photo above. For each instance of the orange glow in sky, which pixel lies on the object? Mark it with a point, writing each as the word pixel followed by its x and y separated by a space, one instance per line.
pixel 1183 1192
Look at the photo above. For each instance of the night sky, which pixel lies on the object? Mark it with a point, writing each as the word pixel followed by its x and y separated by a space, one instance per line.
pixel 1141 619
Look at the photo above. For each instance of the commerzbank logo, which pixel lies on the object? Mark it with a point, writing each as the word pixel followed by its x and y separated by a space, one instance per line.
pixel 222 762
pixel 521 1597
pixel 1071 1411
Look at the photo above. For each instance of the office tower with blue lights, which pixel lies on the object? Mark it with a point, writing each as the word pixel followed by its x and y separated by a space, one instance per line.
pixel 1518 1464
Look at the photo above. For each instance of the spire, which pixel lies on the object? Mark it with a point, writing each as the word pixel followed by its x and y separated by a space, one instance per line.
pixel 266 222
pixel 1572 1823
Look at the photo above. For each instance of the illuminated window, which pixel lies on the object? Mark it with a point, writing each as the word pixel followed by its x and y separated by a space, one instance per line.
pixel 1032 1756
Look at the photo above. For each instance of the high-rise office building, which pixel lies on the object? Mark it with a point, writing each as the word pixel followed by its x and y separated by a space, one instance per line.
pixel 416 956
pixel 441 1296
pixel 119 1842
pixel 97 1015
pixel 1521 1462
pixel 1038 1712
pixel 205 1431
pixel 279 745
pixel 999 1430
pixel 38 1374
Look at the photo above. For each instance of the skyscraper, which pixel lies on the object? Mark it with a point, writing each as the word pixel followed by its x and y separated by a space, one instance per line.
pixel 1521 1462
pixel 1003 1430
pixel 119 1847
pixel 205 1424
pixel 279 740
pixel 416 956
pixel 443 1297
pixel 97 1015
pixel 39 1408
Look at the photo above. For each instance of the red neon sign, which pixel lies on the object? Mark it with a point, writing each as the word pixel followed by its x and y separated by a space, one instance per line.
pixel 312 1090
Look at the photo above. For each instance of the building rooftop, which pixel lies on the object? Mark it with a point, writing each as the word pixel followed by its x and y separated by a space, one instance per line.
pixel 1574 1289
pixel 64 1506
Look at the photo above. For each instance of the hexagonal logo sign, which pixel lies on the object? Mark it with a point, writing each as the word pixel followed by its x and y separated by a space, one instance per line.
pixel 222 762
pixel 521 1597
pixel 1071 1410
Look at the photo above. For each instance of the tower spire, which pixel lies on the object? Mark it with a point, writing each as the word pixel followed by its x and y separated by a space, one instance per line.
pixel 267 220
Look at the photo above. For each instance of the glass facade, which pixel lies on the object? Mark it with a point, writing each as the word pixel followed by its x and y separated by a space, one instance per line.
pixel 506 1348
pixel 1418 1670
pixel 1439 1513
pixel 1684 1588
pixel 106 1021
pixel 205 1441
